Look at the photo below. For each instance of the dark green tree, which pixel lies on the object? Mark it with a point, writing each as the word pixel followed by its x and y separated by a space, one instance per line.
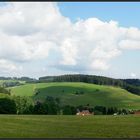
pixel 67 110
pixel 7 106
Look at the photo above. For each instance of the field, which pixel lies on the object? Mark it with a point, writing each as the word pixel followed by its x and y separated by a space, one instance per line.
pixel 93 94
pixel 72 126
pixel 15 126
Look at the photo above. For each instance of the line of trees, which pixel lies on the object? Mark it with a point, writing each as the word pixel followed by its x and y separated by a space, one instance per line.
pixel 25 105
pixel 51 106
pixel 134 82
pixel 100 80
pixel 81 78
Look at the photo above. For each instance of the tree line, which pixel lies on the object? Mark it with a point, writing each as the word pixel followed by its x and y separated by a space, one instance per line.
pixel 51 106
pixel 100 80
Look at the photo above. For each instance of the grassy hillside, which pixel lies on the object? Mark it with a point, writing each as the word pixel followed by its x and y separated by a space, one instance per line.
pixel 93 94
pixel 42 126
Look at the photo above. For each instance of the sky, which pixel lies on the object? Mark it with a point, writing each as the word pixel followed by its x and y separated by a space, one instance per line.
pixel 54 38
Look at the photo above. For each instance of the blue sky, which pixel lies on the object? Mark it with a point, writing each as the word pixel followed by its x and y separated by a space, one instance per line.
pixel 127 13
pixel 99 38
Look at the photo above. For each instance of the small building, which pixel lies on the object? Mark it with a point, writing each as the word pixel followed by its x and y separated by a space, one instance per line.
pixel 137 112
pixel 84 113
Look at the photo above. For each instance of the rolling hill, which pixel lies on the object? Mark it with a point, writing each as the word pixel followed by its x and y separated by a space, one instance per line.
pixel 92 94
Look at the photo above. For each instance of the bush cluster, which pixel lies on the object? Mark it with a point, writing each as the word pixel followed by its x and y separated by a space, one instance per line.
pixel 51 106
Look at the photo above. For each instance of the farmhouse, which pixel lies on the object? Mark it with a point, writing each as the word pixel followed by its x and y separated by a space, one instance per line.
pixel 137 112
pixel 84 112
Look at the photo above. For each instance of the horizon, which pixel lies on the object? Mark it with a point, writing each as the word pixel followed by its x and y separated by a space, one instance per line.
pixel 59 38
pixel 37 78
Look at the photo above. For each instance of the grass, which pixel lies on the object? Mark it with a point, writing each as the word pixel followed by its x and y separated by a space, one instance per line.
pixel 41 126
pixel 66 126
pixel 93 94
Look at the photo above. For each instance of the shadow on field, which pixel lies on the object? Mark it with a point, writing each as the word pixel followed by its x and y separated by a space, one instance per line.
pixel 62 89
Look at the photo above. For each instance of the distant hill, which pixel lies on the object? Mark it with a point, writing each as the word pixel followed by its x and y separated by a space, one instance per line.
pixel 26 79
pixel 131 85
pixel 78 93
pixel 134 82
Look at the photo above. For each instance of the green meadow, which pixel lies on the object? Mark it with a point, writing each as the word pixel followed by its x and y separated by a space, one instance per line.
pixel 58 126
pixel 92 94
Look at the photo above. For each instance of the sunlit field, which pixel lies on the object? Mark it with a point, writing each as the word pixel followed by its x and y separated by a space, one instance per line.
pixel 46 126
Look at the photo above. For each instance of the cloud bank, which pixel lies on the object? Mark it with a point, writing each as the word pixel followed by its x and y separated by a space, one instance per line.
pixel 30 31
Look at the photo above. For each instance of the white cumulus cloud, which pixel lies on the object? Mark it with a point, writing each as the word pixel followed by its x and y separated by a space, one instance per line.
pixel 30 31
pixel 7 67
